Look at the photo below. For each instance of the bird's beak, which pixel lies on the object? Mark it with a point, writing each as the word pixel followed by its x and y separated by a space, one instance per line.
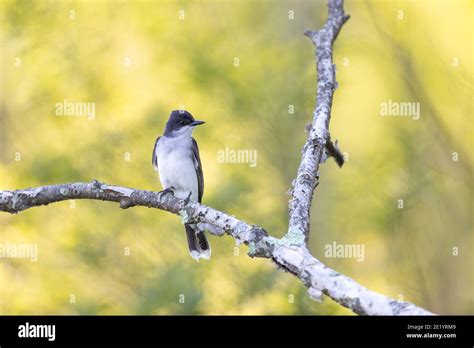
pixel 196 123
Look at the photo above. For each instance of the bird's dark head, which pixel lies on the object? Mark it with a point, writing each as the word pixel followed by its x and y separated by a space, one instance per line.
pixel 181 123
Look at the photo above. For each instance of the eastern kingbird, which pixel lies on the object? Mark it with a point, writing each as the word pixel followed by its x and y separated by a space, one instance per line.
pixel 176 158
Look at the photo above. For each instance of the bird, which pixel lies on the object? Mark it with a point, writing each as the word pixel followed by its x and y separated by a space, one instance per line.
pixel 177 161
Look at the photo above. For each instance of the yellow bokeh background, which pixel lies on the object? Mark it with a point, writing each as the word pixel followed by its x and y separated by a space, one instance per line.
pixel 138 60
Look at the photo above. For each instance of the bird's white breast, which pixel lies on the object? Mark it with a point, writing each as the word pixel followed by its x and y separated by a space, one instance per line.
pixel 176 166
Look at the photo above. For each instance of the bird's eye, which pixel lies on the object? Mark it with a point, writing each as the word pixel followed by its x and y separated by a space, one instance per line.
pixel 181 122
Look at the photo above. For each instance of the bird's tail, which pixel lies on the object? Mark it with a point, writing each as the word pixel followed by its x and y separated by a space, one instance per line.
pixel 197 242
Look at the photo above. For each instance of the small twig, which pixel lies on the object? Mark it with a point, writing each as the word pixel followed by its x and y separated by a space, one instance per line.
pixel 333 151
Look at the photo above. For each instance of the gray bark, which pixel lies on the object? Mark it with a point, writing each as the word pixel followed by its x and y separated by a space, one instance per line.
pixel 288 253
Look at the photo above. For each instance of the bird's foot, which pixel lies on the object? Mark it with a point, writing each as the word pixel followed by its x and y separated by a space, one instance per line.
pixel 167 191
pixel 186 201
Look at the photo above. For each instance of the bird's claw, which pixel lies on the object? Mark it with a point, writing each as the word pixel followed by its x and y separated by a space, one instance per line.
pixel 186 201
pixel 167 191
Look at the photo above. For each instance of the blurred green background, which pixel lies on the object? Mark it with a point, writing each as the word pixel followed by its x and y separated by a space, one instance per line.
pixel 137 61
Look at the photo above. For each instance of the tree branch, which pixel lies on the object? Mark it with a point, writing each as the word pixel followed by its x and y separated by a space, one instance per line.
pixel 290 252
pixel 318 134
pixel 289 256
pixel 217 222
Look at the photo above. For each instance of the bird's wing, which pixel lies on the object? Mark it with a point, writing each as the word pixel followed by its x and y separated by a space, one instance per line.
pixel 198 166
pixel 154 157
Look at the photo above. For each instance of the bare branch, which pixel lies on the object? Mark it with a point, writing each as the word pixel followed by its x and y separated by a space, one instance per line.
pixel 216 222
pixel 289 256
pixel 318 134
